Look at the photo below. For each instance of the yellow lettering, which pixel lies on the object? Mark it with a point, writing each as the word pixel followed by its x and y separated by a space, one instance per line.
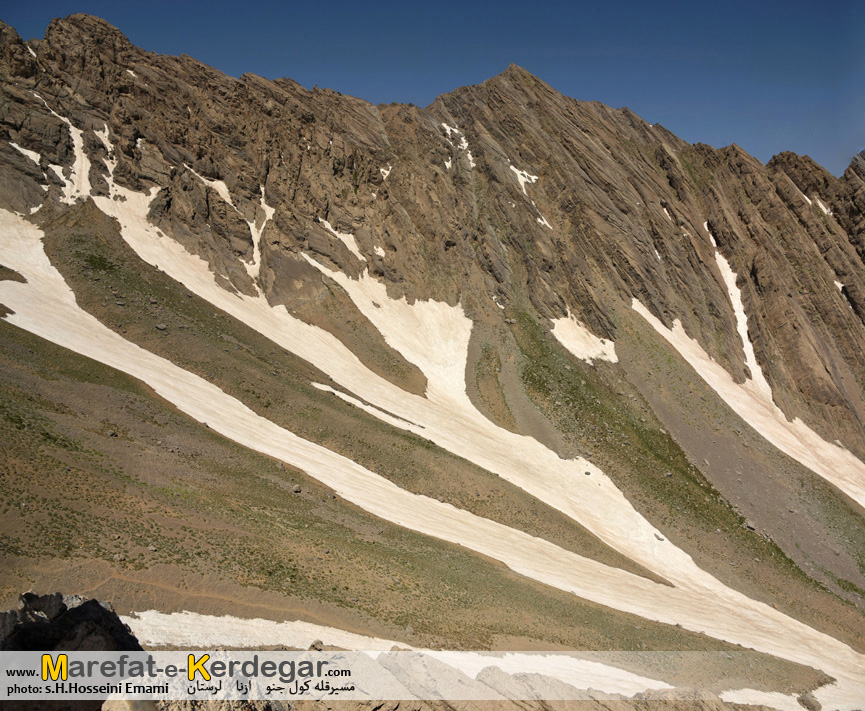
pixel 193 666
pixel 54 669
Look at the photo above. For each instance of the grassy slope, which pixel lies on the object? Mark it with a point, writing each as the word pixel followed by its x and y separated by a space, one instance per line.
pixel 600 413
pixel 275 384
pixel 73 492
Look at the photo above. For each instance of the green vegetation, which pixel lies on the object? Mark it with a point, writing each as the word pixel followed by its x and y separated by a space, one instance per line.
pixel 169 492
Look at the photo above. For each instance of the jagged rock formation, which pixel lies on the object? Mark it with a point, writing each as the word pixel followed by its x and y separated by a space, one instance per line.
pixel 68 623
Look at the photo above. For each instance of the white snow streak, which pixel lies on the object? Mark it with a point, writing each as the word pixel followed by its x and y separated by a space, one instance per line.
pixel 32 155
pixel 379 251
pixel 523 177
pixel 826 210
pixel 129 71
pixel 346 238
pixel 581 342
pixel 385 171
pixel 30 49
pixel 735 296
pixel 218 185
pixel 254 268
pixel 46 307
pixel 754 405
pixel 543 221
pixel 193 631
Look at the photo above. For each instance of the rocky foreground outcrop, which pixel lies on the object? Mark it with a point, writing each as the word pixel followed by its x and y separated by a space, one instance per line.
pixel 68 623
pixel 73 623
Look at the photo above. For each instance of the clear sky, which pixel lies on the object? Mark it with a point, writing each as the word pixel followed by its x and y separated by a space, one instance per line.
pixel 767 75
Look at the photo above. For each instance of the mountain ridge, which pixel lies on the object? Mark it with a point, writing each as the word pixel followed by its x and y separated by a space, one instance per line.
pixel 676 319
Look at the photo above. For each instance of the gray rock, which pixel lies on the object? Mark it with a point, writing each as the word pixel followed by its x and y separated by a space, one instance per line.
pixel 808 701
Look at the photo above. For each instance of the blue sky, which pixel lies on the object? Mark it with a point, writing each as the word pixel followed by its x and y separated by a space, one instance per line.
pixel 767 75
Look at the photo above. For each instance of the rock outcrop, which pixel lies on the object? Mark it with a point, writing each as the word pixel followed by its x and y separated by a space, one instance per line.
pixel 71 623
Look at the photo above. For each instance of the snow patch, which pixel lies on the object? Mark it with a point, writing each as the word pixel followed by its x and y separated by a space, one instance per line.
pixel 346 238
pixel 431 334
pixel 523 177
pixel 751 401
pixel 543 221
pixel 193 631
pixel 78 183
pixel 448 164
pixel 385 171
pixel 839 285
pixel 769 699
pixel 30 49
pixel 254 268
pixel 217 185
pixel 826 210
pixel 450 129
pixel 463 144
pixel 581 342
pixel 735 296
pixel 657 255
pixel 379 251
pixel 32 155
pixel 667 213
pixel 435 337
pixel 131 73
pixel 103 138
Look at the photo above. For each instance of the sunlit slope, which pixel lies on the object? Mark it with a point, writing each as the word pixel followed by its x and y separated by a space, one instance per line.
pixel 439 314
pixel 56 316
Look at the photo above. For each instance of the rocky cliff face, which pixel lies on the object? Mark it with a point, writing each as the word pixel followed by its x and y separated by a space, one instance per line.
pixel 523 207
pixel 506 191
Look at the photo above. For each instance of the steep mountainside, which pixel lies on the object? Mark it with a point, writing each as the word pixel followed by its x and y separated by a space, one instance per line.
pixel 447 376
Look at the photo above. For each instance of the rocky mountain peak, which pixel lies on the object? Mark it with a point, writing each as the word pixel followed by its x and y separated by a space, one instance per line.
pixel 858 164
pixel 15 59
pixel 83 29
